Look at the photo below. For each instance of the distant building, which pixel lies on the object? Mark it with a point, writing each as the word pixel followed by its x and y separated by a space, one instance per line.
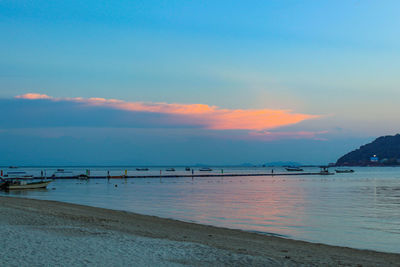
pixel 374 159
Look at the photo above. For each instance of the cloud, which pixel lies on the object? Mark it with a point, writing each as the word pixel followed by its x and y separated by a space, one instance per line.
pixel 198 115
pixel 33 96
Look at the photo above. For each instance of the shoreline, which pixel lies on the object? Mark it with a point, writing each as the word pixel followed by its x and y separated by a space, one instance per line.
pixel 45 221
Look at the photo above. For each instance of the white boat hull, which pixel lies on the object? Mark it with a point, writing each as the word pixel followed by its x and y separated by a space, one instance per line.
pixel 34 185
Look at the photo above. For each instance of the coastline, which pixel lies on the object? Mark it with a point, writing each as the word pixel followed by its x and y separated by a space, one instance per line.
pixel 71 235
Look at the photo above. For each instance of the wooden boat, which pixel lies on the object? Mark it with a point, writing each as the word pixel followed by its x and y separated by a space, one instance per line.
pixel 205 169
pixel 21 185
pixel 294 169
pixel 344 171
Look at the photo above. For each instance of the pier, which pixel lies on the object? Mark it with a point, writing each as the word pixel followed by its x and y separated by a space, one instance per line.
pixel 188 175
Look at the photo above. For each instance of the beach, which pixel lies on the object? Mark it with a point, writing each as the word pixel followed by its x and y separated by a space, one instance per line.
pixel 49 233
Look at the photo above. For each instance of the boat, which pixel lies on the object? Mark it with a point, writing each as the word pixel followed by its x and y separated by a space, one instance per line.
pixel 170 170
pixel 205 169
pixel 142 169
pixel 294 169
pixel 325 171
pixel 187 169
pixel 82 177
pixel 344 171
pixel 13 167
pixel 21 185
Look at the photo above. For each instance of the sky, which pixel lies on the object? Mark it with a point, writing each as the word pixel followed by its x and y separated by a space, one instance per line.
pixel 195 82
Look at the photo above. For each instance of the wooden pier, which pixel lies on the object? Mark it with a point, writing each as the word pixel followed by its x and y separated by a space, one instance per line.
pixel 189 175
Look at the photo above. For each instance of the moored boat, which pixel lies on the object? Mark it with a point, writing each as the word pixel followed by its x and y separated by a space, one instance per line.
pixel 325 171
pixel 142 169
pixel 205 169
pixel 20 185
pixel 170 170
pixel 294 169
pixel 82 177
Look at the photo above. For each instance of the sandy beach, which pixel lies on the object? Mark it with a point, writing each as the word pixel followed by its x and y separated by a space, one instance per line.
pixel 49 233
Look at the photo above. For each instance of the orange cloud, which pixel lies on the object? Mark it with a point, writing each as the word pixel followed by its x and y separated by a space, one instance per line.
pixel 33 96
pixel 210 117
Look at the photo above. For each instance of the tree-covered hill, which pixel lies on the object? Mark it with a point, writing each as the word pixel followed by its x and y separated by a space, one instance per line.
pixel 386 148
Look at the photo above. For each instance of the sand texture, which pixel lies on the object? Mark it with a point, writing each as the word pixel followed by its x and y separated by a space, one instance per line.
pixel 49 233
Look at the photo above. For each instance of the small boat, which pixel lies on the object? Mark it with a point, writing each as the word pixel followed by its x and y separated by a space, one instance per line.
pixel 82 177
pixel 187 169
pixel 325 171
pixel 142 169
pixel 20 185
pixel 344 171
pixel 294 169
pixel 205 169
pixel 170 170
pixel 13 167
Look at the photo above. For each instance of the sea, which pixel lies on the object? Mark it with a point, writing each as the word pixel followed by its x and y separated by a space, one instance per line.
pixel 359 210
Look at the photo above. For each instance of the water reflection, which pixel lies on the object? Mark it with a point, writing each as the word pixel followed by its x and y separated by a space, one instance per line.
pixel 359 210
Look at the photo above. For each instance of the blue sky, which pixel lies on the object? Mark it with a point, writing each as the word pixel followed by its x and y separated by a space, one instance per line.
pixel 335 60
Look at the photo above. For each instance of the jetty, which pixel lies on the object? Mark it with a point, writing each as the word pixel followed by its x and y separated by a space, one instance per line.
pixel 199 175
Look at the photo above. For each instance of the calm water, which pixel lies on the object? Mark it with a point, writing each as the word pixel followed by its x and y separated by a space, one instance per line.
pixel 360 209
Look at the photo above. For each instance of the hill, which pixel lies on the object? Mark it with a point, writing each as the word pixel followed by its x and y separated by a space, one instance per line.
pixel 386 149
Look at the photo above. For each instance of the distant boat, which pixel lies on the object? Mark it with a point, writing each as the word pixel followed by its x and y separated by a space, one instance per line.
pixel 20 185
pixel 205 169
pixel 82 177
pixel 187 169
pixel 294 169
pixel 170 170
pixel 325 171
pixel 344 171
pixel 13 167
pixel 142 169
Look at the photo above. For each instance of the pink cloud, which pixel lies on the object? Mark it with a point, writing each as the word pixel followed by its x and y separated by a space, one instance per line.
pixel 209 117
pixel 33 96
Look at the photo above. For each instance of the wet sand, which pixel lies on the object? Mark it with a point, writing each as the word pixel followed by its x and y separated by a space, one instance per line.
pixel 38 232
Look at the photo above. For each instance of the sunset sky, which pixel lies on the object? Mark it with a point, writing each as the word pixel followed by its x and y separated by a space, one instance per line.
pixel 190 82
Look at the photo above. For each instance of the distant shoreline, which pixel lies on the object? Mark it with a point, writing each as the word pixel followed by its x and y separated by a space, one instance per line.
pixel 45 221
